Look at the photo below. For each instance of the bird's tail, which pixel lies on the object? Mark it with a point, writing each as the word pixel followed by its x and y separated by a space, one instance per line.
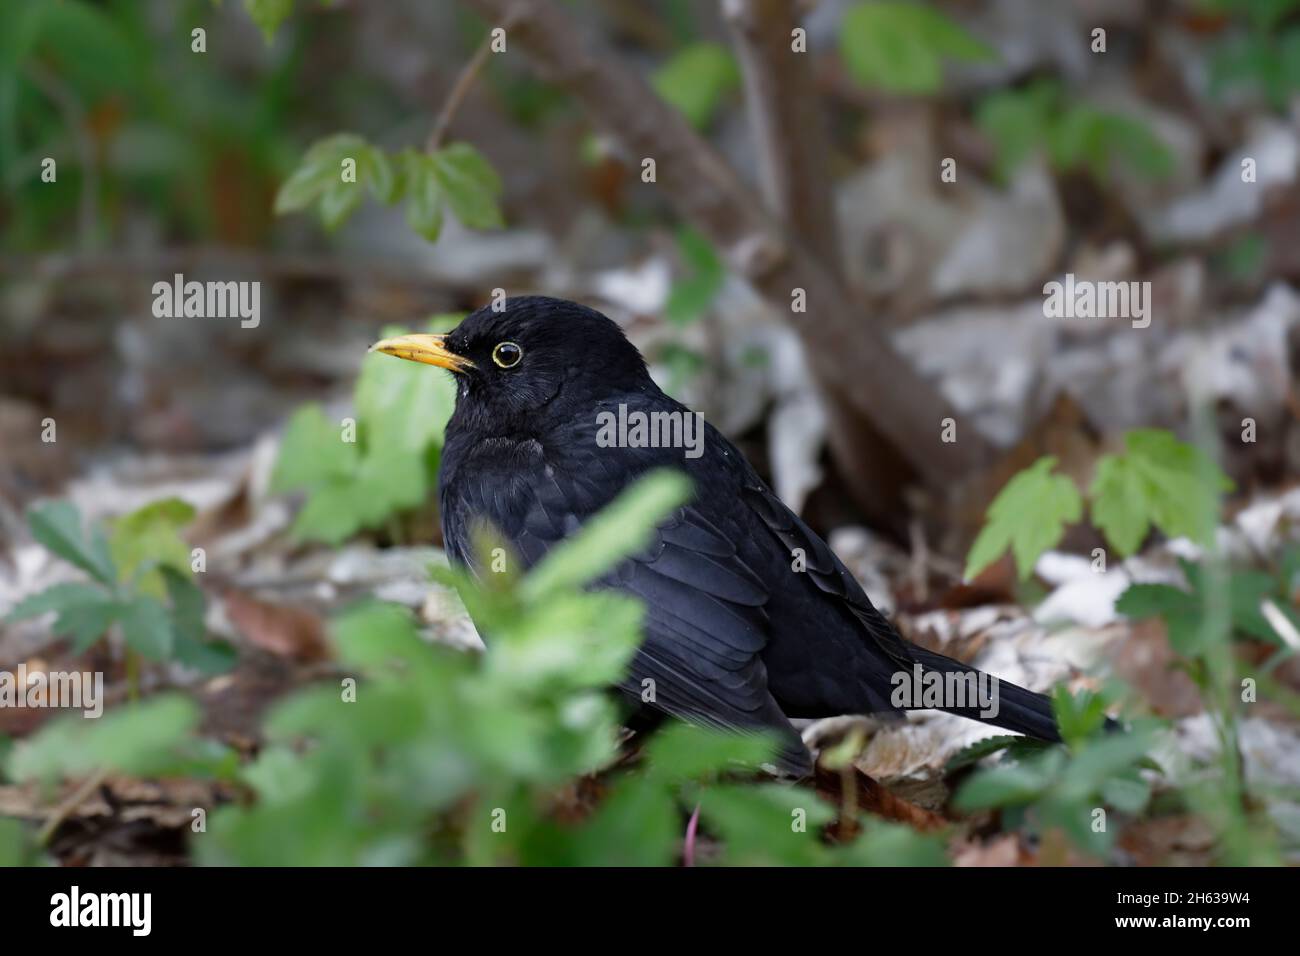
pixel 1013 707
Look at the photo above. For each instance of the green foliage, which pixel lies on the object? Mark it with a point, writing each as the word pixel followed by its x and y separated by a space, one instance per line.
pixel 693 294
pixel 1263 55
pixel 1158 481
pixel 1065 787
pixel 268 15
pixel 433 756
pixel 335 173
pixel 153 738
pixel 901 47
pixel 144 561
pixel 1073 134
pixel 1028 516
pixel 391 461
pixel 151 536
pixel 1183 610
pixel 696 80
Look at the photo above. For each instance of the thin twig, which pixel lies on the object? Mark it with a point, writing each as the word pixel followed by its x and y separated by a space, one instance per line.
pixel 460 89
pixel 68 806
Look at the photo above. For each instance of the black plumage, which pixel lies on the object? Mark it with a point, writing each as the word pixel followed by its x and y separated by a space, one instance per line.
pixel 735 636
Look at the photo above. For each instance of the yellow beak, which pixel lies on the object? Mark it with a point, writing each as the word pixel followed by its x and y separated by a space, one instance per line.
pixel 429 349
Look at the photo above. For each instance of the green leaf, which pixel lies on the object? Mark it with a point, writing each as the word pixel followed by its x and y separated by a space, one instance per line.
pixel 268 15
pixel 144 739
pixel 1159 481
pixel 694 293
pixel 147 628
pixel 636 825
pixel 1028 516
pixel 620 529
pixel 687 752
pixel 322 169
pixel 471 186
pixel 149 537
pixel 191 646
pixel 57 526
pixel 312 452
pixel 1180 611
pixel 1006 785
pixel 338 202
pixel 85 611
pixel 900 47
pixel 425 199
pixel 696 80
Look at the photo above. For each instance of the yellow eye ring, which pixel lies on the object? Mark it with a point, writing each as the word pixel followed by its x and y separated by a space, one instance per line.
pixel 507 354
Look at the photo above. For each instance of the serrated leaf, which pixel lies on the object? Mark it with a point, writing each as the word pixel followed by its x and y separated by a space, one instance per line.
pixel 57 526
pixel 1028 516
pixel 1159 481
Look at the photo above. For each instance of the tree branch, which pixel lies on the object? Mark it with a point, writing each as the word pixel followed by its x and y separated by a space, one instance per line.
pixel 872 376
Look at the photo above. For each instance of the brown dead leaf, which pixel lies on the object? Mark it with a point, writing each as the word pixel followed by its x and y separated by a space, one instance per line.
pixel 291 632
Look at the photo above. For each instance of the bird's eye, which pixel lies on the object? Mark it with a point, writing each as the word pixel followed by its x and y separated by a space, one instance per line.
pixel 507 354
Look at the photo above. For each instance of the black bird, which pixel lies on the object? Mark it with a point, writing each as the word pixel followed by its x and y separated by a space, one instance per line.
pixel 734 636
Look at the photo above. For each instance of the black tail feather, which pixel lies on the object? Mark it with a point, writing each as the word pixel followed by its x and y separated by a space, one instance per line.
pixel 1018 709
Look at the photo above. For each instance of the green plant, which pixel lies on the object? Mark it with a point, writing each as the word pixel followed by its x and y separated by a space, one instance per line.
pixel 1157 481
pixel 430 755
pixel 358 474
pixel 1074 135
pixel 1264 53
pixel 335 172
pixel 1071 788
pixel 900 46
pixel 140 582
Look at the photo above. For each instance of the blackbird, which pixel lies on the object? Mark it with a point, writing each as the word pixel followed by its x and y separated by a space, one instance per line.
pixel 750 617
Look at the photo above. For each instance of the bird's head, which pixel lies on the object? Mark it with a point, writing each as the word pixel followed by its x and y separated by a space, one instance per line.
pixel 531 355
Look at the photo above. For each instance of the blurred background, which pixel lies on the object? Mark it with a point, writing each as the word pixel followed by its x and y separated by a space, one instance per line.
pixel 921 172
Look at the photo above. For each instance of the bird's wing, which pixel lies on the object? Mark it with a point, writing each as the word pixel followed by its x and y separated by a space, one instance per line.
pixel 705 620
pixel 826 570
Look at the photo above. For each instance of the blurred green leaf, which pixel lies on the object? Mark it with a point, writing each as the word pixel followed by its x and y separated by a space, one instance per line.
pixel 696 79
pixel 268 15
pixel 149 538
pixel 57 526
pixel 1028 516
pixel 901 46
pixel 693 293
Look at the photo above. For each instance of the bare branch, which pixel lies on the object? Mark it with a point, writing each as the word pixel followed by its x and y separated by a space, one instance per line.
pixel 846 353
